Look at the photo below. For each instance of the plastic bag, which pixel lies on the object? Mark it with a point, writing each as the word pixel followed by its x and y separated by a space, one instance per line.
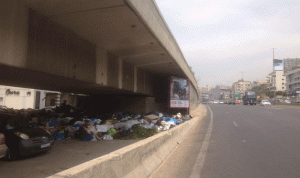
pixel 107 137
pixel 126 125
pixel 58 136
pixel 96 121
pixel 53 122
pixel 112 131
pixel 167 125
pixel 150 126
pixel 171 120
pixel 103 128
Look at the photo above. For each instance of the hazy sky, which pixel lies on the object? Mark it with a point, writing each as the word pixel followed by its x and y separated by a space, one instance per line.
pixel 222 38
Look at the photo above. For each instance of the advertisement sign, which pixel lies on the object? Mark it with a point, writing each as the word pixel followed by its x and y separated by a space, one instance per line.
pixel 179 93
pixel 277 64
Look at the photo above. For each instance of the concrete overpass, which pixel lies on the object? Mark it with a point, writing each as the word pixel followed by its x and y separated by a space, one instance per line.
pixel 108 47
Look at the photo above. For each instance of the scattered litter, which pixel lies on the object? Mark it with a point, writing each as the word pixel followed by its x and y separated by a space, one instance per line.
pixel 93 127
pixel 107 137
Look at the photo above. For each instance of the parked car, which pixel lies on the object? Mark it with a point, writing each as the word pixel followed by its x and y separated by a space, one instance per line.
pixel 237 102
pixel 231 102
pixel 3 147
pixel 287 101
pixel 265 103
pixel 216 102
pixel 23 138
pixel 221 102
pixel 2 107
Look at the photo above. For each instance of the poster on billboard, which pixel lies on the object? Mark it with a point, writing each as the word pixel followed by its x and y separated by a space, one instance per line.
pixel 277 64
pixel 179 93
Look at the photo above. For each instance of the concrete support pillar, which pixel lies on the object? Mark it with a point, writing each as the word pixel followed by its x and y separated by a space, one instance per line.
pixel 101 66
pixel 135 79
pixel 120 73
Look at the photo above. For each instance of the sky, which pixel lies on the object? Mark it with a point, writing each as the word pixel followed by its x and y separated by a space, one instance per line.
pixel 226 40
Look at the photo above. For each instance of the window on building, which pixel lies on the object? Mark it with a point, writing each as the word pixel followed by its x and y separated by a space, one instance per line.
pixel 52 102
pixel 282 87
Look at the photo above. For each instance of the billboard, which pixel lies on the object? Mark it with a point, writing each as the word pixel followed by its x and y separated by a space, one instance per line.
pixel 277 64
pixel 179 93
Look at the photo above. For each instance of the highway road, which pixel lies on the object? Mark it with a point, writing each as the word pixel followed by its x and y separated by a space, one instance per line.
pixel 239 141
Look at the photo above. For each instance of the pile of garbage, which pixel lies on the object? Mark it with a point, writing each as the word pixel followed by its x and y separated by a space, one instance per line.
pixel 119 125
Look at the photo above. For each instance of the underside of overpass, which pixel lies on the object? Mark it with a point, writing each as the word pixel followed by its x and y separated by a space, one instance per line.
pixel 107 47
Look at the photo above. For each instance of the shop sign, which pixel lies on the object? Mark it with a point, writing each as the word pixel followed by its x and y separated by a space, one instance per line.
pixel 9 92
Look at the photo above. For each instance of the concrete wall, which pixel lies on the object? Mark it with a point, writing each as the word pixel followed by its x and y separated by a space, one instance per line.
pixel 101 66
pixel 13 33
pixel 56 50
pixel 150 14
pixel 141 81
pixel 113 69
pixel 136 160
pixel 128 76
pixel 194 99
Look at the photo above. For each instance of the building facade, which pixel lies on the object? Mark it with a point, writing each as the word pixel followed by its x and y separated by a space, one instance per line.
pixel 241 87
pixel 277 80
pixel 205 89
pixel 293 82
pixel 24 98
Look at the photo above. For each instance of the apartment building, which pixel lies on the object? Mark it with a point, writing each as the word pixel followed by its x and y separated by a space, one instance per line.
pixel 241 86
pixel 277 80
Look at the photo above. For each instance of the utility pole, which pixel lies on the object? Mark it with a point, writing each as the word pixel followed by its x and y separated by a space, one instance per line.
pixel 242 74
pixel 273 53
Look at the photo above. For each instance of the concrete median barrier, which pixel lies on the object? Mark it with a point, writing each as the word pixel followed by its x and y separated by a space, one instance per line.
pixel 136 160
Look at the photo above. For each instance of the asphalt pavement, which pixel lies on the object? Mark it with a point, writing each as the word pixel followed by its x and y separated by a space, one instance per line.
pixel 65 154
pixel 239 141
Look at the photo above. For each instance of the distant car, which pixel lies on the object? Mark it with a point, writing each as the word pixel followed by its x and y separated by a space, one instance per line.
pixel 216 102
pixel 287 101
pixel 231 102
pixel 3 147
pixel 265 103
pixel 221 102
pixel 22 138
pixel 237 102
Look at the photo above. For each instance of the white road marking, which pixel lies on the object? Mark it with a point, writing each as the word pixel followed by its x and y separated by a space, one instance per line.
pixel 244 141
pixel 235 124
pixel 196 172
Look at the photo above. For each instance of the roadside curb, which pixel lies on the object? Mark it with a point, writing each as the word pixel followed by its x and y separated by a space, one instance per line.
pixel 136 160
pixel 286 106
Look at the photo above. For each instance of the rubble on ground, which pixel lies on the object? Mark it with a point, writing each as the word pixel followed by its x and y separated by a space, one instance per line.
pixel 73 124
